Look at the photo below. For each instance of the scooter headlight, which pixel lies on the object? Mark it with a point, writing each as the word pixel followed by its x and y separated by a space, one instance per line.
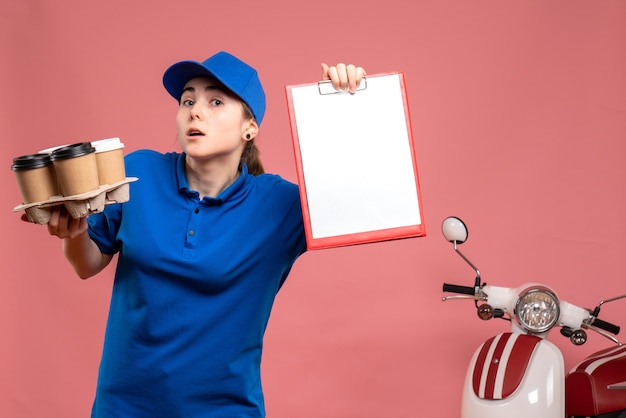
pixel 537 309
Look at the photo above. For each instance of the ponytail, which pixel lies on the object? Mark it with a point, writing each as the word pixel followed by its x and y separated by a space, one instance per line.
pixel 251 158
pixel 250 155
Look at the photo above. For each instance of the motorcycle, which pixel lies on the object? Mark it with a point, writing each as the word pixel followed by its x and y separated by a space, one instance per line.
pixel 520 373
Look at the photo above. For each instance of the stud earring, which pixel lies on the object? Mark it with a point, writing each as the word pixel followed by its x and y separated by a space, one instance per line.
pixel 247 136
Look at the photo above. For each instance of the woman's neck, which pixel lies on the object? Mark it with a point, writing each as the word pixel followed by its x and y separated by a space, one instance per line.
pixel 210 179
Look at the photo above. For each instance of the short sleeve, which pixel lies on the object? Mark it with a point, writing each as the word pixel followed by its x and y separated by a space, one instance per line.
pixel 103 228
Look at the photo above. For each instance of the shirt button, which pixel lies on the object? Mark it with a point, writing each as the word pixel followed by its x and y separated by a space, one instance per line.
pixel 192 233
pixel 196 210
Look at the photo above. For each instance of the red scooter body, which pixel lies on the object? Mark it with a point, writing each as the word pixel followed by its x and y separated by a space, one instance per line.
pixel 597 385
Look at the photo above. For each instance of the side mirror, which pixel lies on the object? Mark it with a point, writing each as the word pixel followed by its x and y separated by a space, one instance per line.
pixel 454 230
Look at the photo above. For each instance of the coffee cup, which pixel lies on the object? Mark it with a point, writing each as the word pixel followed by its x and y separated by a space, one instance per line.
pixel 110 160
pixel 76 168
pixel 35 177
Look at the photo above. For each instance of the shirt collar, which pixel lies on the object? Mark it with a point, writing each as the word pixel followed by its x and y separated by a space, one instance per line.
pixel 226 194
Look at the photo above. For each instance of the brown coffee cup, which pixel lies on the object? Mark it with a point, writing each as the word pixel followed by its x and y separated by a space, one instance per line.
pixel 76 168
pixel 35 177
pixel 110 160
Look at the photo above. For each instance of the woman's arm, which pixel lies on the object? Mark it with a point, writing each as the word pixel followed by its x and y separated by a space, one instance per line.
pixel 82 253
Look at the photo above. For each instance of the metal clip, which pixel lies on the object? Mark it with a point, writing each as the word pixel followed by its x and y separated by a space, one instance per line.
pixel 326 87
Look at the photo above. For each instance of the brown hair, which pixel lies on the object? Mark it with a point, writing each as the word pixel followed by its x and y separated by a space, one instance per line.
pixel 250 155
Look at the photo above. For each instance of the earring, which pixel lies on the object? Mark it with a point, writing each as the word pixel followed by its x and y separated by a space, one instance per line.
pixel 247 136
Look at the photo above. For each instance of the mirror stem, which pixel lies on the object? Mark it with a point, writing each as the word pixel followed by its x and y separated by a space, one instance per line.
pixel 477 284
pixel 596 311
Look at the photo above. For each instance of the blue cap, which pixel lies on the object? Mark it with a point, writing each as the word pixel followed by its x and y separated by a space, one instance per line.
pixel 229 70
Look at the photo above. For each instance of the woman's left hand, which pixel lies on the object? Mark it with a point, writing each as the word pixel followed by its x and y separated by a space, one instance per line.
pixel 343 77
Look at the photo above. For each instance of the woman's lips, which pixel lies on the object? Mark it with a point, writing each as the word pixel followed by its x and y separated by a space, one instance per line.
pixel 193 132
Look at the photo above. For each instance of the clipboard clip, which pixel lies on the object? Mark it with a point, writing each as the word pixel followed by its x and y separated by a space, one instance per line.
pixel 326 87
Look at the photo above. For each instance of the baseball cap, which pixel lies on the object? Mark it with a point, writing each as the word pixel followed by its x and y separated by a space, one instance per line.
pixel 236 75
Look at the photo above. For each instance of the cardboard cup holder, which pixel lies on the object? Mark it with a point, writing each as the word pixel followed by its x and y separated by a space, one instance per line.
pixel 79 205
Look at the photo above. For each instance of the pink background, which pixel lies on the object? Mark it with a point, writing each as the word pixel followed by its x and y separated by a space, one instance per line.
pixel 519 115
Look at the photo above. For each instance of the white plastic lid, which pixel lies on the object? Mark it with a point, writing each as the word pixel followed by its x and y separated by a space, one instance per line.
pixel 108 144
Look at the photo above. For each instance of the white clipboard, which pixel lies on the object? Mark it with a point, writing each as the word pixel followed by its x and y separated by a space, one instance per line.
pixel 356 162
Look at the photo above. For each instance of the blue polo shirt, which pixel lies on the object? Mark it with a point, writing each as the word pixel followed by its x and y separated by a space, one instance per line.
pixel 193 290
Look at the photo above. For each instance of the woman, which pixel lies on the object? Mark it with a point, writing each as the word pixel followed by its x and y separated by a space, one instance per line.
pixel 204 244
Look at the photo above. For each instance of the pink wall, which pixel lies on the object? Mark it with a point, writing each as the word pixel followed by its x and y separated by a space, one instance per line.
pixel 519 115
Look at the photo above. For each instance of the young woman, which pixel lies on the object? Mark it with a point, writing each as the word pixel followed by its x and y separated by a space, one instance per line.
pixel 204 244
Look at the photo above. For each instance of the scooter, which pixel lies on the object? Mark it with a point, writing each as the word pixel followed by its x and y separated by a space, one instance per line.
pixel 520 374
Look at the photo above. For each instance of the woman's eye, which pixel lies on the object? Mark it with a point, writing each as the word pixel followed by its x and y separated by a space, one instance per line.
pixel 187 102
pixel 216 102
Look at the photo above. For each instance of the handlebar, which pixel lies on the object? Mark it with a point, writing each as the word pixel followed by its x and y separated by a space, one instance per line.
pixel 607 326
pixel 467 290
pixel 454 288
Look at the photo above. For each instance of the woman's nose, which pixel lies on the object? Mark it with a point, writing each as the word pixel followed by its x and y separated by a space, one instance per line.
pixel 195 112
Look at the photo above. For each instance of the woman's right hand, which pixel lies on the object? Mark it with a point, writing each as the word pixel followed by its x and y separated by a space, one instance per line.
pixel 62 225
